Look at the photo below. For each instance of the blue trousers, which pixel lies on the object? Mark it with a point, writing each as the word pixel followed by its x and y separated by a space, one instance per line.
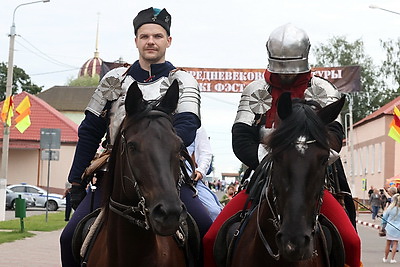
pixel 193 206
pixel 375 210
pixel 209 200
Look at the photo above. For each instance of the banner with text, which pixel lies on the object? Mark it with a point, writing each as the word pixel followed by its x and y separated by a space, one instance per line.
pixel 346 79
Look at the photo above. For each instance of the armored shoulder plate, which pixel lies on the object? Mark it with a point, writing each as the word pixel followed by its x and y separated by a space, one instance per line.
pixel 189 99
pixel 109 89
pixel 255 99
pixel 323 92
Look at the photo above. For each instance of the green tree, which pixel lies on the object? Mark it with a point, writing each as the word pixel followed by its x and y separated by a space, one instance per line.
pixel 85 81
pixel 21 82
pixel 391 65
pixel 340 52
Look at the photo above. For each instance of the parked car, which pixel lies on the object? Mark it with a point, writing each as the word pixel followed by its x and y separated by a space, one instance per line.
pixel 12 196
pixel 40 195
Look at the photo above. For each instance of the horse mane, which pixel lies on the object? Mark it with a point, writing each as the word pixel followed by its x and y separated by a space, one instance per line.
pixel 303 121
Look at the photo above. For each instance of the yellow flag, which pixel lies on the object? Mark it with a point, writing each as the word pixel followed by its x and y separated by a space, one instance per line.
pixel 7 110
pixel 23 110
pixel 23 124
pixel 396 112
pixel 24 105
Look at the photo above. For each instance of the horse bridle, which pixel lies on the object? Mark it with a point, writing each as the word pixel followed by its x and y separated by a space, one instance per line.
pixel 126 210
pixel 301 145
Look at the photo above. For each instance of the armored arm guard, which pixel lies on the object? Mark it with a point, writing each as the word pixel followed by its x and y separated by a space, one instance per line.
pixel 255 99
pixel 248 130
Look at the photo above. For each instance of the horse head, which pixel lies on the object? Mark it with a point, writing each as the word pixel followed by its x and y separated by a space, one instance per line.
pixel 300 151
pixel 146 166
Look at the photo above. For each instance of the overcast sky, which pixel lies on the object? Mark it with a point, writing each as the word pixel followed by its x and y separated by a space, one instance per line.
pixel 56 38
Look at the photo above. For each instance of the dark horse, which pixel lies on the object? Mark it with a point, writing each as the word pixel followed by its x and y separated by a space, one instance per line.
pixel 283 229
pixel 142 211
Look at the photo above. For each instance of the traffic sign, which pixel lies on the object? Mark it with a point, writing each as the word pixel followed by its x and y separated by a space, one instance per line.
pixel 50 138
pixel 50 155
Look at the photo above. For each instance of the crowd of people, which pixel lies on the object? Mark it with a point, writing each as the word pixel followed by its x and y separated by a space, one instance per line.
pixel 380 199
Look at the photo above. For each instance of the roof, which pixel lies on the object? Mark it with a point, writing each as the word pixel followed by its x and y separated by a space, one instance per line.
pixel 68 98
pixel 91 67
pixel 385 110
pixel 42 116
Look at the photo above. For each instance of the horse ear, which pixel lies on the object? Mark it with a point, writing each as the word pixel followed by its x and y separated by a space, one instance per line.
pixel 284 105
pixel 134 99
pixel 169 102
pixel 329 113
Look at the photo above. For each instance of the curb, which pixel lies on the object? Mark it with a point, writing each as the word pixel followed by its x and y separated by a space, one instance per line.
pixel 373 225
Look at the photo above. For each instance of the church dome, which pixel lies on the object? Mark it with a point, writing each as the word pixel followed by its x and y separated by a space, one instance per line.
pixel 91 67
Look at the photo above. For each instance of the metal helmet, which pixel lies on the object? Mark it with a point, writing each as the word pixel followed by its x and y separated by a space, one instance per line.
pixel 288 48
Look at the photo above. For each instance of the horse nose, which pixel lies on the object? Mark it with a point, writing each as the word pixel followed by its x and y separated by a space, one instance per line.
pixel 296 247
pixel 164 211
pixel 166 217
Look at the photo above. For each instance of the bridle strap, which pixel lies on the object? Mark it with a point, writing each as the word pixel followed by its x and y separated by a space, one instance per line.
pixel 124 211
pixel 275 219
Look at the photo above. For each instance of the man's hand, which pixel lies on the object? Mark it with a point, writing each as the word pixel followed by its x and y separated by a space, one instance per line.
pixel 198 176
pixel 78 192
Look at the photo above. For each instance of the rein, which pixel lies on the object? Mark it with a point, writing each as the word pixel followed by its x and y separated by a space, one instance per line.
pixel 125 210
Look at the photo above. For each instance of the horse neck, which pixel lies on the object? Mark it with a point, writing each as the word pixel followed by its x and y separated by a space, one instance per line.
pixel 121 231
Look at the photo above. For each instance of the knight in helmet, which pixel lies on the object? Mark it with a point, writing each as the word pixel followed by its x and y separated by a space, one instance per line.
pixel 288 71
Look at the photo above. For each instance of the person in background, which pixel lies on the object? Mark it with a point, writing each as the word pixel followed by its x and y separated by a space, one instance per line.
pixel 370 191
pixel 67 196
pixel 391 223
pixel 201 153
pixel 389 193
pixel 288 71
pixel 375 203
pixel 384 199
pixel 106 111
pixel 230 191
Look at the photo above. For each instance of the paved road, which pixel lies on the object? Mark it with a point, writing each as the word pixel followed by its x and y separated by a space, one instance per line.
pixel 372 246
pixel 43 249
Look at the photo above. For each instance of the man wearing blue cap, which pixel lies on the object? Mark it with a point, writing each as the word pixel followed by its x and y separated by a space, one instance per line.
pixel 105 112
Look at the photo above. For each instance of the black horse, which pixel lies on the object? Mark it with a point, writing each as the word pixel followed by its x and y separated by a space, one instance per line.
pixel 143 212
pixel 283 229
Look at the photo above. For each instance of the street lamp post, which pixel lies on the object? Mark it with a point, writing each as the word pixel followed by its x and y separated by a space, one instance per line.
pixel 387 10
pixel 6 132
pixel 350 142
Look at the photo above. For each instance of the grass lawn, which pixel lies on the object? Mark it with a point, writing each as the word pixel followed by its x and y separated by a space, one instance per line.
pixel 11 230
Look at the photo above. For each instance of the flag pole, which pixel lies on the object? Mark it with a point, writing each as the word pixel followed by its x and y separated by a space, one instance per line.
pixel 6 132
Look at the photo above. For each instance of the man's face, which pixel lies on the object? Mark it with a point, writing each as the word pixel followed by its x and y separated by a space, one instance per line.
pixel 152 42
pixel 287 79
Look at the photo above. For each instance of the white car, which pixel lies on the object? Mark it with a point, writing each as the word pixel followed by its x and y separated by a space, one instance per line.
pixel 55 201
pixel 12 196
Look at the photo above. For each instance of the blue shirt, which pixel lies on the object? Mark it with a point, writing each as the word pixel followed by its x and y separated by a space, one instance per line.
pixel 391 221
